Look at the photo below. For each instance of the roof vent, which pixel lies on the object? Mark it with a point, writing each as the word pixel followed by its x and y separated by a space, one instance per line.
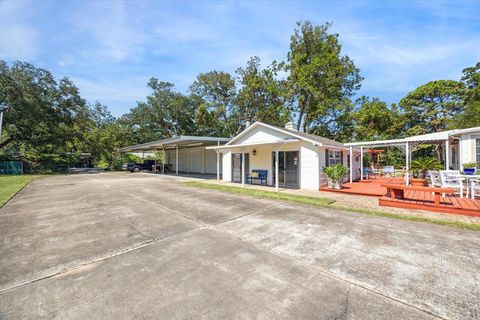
pixel 289 125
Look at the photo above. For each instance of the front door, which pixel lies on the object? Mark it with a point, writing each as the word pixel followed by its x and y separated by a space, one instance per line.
pixel 288 163
pixel 237 166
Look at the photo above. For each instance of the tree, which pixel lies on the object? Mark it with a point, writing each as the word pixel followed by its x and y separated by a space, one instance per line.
pixel 471 115
pixel 45 119
pixel 216 93
pixel 432 106
pixel 166 113
pixel 321 79
pixel 262 96
pixel 374 120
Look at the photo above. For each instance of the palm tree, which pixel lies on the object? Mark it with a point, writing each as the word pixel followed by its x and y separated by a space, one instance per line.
pixel 421 166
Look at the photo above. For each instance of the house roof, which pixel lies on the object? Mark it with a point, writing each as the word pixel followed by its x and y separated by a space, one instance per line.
pixel 317 140
pixel 177 141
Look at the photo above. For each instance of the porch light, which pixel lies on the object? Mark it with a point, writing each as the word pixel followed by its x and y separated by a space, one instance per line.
pixel 254 152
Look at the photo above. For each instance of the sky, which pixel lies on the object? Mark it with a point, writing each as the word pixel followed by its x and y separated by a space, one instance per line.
pixel 111 48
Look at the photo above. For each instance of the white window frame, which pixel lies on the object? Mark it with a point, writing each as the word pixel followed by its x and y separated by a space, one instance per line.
pixel 334 157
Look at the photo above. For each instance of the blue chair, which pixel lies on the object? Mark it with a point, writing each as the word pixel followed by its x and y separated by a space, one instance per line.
pixel 257 175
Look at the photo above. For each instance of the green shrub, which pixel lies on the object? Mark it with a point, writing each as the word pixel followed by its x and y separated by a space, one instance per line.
pixel 470 165
pixel 420 167
pixel 336 171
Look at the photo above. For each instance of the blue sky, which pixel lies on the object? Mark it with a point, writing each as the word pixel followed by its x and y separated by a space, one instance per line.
pixel 111 49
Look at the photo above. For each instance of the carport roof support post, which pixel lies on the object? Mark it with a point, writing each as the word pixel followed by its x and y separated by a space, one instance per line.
pixel 176 160
pixel 407 161
pixel 351 164
pixel 276 170
pixel 218 167
pixel 243 169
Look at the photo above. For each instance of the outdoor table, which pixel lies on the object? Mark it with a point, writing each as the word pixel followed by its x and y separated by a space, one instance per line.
pixel 468 177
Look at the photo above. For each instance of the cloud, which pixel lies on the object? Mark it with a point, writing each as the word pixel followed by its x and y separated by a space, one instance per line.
pixel 18 39
pixel 117 36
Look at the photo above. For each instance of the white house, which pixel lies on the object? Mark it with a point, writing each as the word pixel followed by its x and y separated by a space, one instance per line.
pixel 291 158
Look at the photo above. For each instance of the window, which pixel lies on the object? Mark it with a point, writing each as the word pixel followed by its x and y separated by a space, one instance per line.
pixel 478 153
pixel 334 157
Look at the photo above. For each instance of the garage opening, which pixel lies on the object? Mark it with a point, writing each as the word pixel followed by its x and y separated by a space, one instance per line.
pixel 185 154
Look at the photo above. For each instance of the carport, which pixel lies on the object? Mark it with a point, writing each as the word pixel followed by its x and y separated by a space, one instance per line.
pixel 186 153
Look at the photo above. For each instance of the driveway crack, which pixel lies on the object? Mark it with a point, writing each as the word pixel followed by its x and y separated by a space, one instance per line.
pixel 345 308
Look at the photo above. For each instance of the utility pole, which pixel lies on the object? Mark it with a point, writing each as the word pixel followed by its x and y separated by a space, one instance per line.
pixel 1 120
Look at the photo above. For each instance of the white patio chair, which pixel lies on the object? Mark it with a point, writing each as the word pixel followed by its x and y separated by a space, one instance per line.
pixel 475 188
pixel 434 179
pixel 388 171
pixel 452 179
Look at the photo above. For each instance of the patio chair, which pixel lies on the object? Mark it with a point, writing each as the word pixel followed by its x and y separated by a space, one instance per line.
pixel 388 171
pixel 365 173
pixel 452 179
pixel 475 188
pixel 434 179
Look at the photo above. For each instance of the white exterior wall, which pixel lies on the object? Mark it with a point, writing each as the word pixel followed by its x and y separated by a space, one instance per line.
pixel 262 161
pixel 467 148
pixel 227 166
pixel 195 160
pixel 211 162
pixel 309 166
pixel 262 134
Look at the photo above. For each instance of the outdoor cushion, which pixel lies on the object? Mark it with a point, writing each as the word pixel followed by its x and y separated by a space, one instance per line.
pixel 254 174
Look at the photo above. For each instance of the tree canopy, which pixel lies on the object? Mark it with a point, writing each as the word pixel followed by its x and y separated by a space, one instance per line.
pixel 47 120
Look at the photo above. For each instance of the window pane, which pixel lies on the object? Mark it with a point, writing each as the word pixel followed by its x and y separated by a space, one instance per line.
pixel 334 157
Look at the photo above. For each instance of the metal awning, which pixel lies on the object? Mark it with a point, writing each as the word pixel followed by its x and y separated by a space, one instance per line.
pixel 429 138
pixel 176 142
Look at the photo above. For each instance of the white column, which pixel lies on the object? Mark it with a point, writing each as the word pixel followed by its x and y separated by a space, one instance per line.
pixel 361 163
pixel 460 155
pixel 276 170
pixel 407 161
pixel 447 154
pixel 218 166
pixel 164 157
pixel 243 169
pixel 351 164
pixel 176 160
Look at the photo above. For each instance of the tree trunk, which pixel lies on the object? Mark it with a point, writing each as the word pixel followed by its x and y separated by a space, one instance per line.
pixel 4 143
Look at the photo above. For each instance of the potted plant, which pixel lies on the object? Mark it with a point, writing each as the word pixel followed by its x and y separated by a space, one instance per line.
pixel 470 168
pixel 419 169
pixel 335 175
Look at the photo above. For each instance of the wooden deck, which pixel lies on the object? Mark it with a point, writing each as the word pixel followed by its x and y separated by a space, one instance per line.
pixel 415 200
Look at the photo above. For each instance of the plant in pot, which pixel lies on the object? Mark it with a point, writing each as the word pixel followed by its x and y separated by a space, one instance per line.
pixel 335 175
pixel 470 168
pixel 420 167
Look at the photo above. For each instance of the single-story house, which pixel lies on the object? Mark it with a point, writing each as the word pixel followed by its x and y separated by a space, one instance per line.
pixel 291 158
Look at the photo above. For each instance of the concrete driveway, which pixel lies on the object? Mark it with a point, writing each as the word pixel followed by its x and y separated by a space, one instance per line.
pixel 130 246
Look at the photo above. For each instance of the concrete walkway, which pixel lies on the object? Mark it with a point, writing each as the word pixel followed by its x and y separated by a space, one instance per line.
pixel 130 246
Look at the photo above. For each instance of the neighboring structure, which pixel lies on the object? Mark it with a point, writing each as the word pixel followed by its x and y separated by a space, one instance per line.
pixel 292 159
pixel 457 147
pixel 185 153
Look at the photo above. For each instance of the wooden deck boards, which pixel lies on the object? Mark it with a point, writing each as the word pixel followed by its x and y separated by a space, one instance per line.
pixel 416 200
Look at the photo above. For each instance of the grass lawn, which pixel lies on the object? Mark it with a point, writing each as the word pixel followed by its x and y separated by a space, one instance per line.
pixel 11 184
pixel 326 203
